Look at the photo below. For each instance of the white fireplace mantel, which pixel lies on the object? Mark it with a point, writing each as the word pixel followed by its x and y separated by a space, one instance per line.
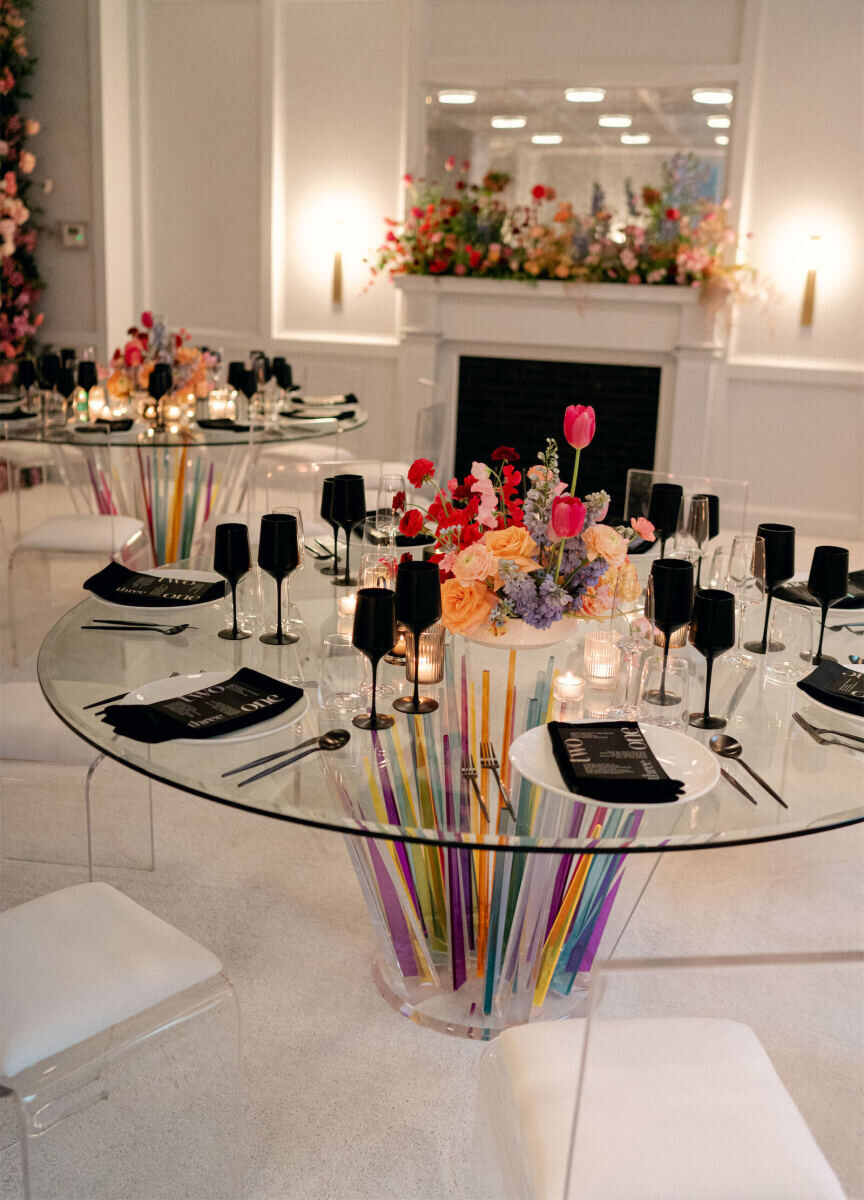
pixel 668 327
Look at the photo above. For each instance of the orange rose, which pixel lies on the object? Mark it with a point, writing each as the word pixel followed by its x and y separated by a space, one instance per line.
pixel 515 544
pixel 601 541
pixel 464 607
pixel 596 602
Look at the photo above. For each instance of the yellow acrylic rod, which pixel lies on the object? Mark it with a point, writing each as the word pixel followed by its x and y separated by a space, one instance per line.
pixel 483 868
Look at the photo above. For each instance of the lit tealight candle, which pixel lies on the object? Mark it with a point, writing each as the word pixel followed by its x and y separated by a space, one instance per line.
pixel 569 687
pixel 602 658
pixel 397 654
pixel 346 606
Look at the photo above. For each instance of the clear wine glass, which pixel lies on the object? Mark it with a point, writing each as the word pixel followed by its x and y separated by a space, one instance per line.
pixel 698 526
pixel 391 490
pixel 745 579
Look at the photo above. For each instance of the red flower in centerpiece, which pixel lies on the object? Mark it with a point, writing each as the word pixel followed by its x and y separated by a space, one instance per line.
pixel 411 523
pixel 505 454
pixel 673 214
pixel 579 425
pixel 567 518
pixel 538 191
pixel 420 472
pixel 147 320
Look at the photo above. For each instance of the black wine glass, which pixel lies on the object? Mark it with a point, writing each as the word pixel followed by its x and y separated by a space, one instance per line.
pixel 26 374
pixel 158 385
pixel 664 510
pixel 375 634
pixel 236 371
pixel 64 386
pixel 68 356
pixel 50 369
pixel 828 582
pixel 712 632
pixel 779 568
pixel 87 376
pixel 347 509
pixel 326 504
pixel 418 605
pixel 231 559
pixel 279 555
pixel 672 591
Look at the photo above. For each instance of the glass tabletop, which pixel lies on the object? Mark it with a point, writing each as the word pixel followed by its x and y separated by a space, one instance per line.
pixel 406 784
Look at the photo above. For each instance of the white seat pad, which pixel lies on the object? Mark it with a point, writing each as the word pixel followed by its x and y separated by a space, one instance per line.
pixel 78 961
pixel 30 730
pixel 82 534
pixel 672 1108
pixel 26 454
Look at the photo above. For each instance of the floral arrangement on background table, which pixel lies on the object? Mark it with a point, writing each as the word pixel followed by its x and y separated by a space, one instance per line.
pixel 541 559
pixel 20 285
pixel 670 235
pixel 151 343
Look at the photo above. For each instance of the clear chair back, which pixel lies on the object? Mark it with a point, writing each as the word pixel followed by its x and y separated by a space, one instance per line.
pixel 733 495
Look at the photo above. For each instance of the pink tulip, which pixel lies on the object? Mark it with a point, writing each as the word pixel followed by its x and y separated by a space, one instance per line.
pixel 579 424
pixel 568 517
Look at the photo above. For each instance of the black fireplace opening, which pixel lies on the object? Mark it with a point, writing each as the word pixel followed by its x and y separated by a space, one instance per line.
pixel 520 402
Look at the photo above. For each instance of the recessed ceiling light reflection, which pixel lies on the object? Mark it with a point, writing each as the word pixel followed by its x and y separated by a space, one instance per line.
pixel 509 122
pixel 585 95
pixel 721 140
pixel 615 121
pixel 457 96
pixel 547 139
pixel 635 139
pixel 718 122
pixel 712 95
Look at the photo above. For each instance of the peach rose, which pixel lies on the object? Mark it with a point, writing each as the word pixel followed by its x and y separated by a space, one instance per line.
pixel 464 607
pixel 629 587
pixel 601 541
pixel 596 602
pixel 515 544
pixel 475 563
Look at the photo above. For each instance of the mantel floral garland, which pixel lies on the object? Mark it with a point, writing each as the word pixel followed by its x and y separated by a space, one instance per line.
pixel 20 285
pixel 670 236
pixel 540 559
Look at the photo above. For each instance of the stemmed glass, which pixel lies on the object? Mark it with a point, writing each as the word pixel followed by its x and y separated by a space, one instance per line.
pixel 664 509
pixel 375 634
pixel 326 503
pixel 698 526
pixel 779 567
pixel 828 582
pixel 713 513
pixel 418 605
pixel 712 632
pixel 347 508
pixel 157 385
pixel 231 559
pixel 50 369
pixel 279 554
pixel 26 380
pixel 746 580
pixel 671 605
pixel 63 386
pixel 390 489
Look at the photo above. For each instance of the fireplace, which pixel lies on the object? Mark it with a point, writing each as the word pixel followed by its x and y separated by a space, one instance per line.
pixel 520 402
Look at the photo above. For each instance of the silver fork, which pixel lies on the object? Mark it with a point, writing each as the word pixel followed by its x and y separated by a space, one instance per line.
pixel 469 772
pixel 489 760
pixel 829 737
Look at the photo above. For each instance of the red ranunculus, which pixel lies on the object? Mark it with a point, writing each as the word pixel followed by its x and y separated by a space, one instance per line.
pixel 420 472
pixel 538 191
pixel 505 454
pixel 398 501
pixel 673 214
pixel 411 523
pixel 147 320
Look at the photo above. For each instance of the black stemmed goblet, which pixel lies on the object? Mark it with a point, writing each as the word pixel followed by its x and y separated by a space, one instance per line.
pixel 664 510
pixel 26 374
pixel 418 605
pixel 64 386
pixel 712 632
pixel 672 604
pixel 157 385
pixel 50 369
pixel 278 556
pixel 828 582
pixel 231 559
pixel 347 509
pixel 236 371
pixel 779 568
pixel 326 504
pixel 375 634
pixel 87 376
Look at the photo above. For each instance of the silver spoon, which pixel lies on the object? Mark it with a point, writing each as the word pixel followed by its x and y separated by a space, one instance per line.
pixel 856 658
pixel 165 630
pixel 729 747
pixel 335 739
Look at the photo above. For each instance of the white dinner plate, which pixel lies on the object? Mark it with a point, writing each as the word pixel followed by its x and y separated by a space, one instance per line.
pixel 179 685
pixel 681 757
pixel 100 437
pixel 156 612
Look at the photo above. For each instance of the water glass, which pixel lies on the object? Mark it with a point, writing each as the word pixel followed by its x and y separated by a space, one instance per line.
pixel 671 677
pixel 791 641
pixel 340 683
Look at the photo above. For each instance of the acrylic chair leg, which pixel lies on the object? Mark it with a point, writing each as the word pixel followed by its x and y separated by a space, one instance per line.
pixel 91 770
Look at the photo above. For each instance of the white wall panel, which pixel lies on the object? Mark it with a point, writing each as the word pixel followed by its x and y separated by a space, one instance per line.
pixel 200 118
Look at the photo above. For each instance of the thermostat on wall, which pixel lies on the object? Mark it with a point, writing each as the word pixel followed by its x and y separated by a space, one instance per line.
pixel 74 234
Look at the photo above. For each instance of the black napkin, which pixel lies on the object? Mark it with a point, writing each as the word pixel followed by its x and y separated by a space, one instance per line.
pixel 836 686
pixel 797 593
pixel 245 699
pixel 18 414
pixel 122 586
pixel 103 425
pixel 611 762
pixel 221 423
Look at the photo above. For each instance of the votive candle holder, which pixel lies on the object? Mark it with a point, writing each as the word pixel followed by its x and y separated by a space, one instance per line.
pixel 430 661
pixel 602 658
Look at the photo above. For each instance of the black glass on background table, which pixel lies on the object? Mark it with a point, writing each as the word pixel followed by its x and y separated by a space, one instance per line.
pixel 235 374
pixel 347 509
pixel 278 556
pixel 712 632
pixel 779 568
pixel 664 510
pixel 50 369
pixel 87 375
pixel 828 582
pixel 26 373
pixel 158 385
pixel 374 634
pixel 672 605
pixel 325 509
pixel 418 605
pixel 232 560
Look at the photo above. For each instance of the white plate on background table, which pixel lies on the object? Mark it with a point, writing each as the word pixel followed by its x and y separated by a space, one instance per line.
pixel 179 685
pixel 141 612
pixel 680 756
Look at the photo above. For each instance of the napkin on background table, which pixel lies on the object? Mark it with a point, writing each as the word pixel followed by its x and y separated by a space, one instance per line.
pixel 610 762
pixel 836 686
pixel 122 586
pixel 797 593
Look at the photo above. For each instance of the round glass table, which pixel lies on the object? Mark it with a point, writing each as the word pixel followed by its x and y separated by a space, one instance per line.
pixel 482 921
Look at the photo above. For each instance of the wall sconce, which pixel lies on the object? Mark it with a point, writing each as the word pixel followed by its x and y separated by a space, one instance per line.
pixel 336 292
pixel 814 245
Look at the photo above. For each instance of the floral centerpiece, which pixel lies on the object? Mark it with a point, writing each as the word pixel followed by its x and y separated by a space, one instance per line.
pixel 544 558
pixel 151 343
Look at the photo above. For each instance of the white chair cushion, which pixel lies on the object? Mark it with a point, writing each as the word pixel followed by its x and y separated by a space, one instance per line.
pixel 30 730
pixel 85 534
pixel 78 961
pixel 672 1108
pixel 307 451
pixel 26 454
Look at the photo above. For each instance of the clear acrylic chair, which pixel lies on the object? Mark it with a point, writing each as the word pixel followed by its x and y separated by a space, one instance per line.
pixel 734 1077
pixel 733 495
pixel 120 1051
